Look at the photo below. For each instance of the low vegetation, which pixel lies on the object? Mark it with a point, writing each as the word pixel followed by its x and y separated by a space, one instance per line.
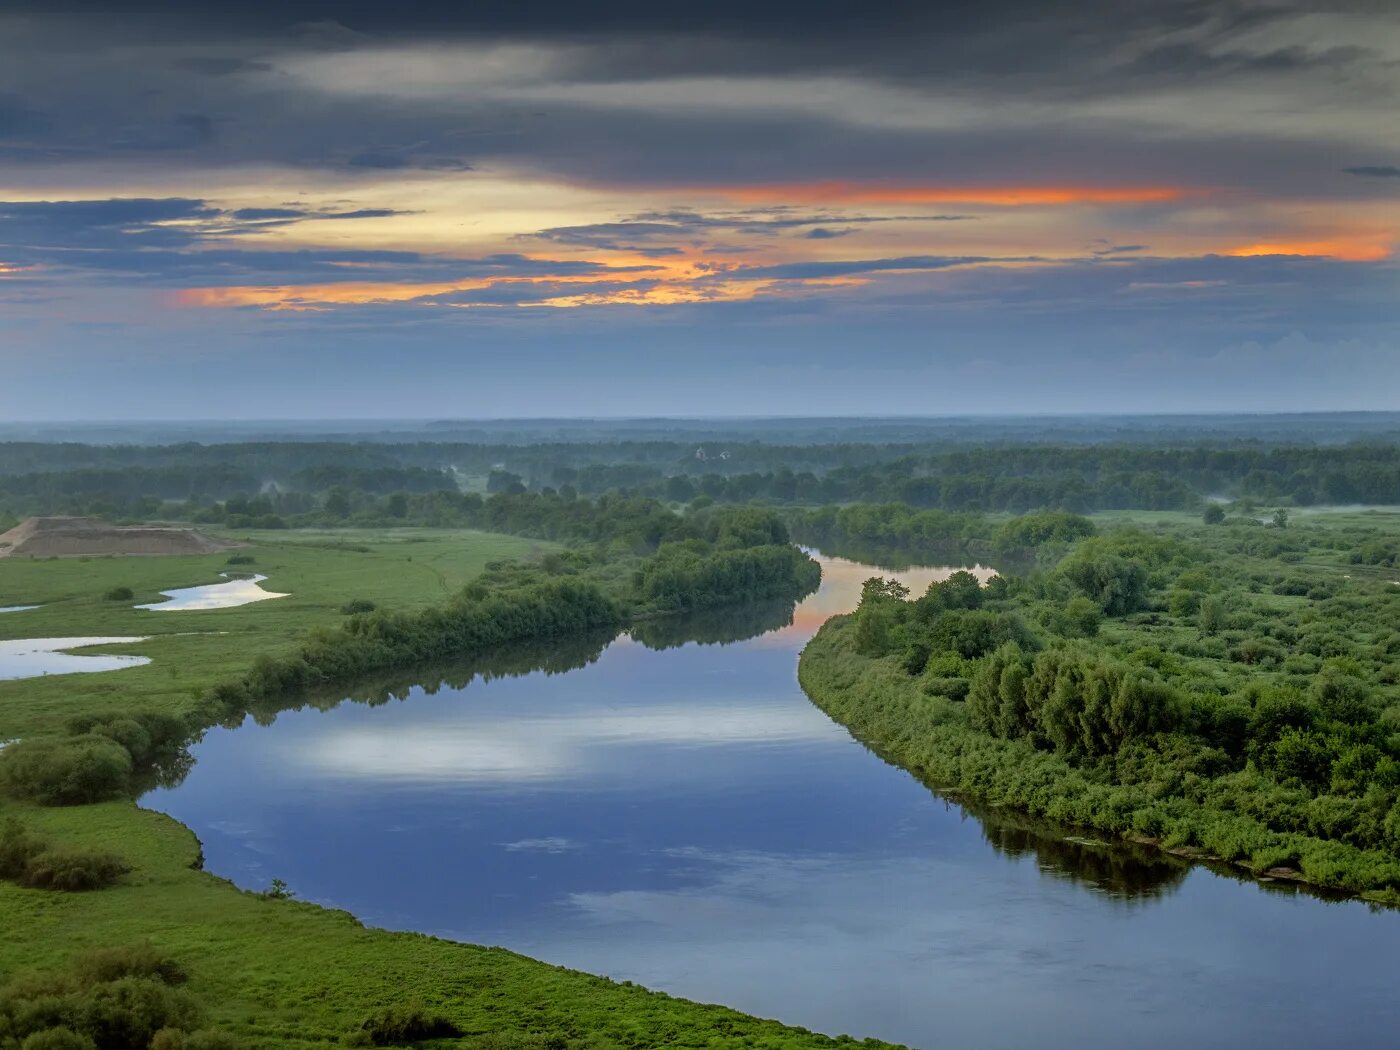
pixel 1222 690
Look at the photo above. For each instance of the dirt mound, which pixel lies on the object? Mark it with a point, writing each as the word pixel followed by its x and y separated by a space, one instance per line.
pixel 75 537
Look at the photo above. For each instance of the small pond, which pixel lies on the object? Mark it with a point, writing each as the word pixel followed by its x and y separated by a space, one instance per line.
pixel 235 591
pixel 36 657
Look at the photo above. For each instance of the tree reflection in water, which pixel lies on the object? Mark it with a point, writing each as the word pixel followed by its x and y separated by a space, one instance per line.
pixel 1122 870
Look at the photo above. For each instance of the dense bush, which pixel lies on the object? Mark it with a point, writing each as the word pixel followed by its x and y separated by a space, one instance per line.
pixel 30 861
pixel 119 594
pixel 66 771
pixel 689 576
pixel 356 606
pixel 407 1022
pixel 73 869
pixel 1074 701
pixel 122 999
pixel 1114 583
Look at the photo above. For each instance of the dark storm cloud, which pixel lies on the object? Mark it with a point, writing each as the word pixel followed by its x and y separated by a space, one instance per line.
pixel 894 39
pixel 237 104
pixel 221 65
pixel 1375 171
pixel 390 160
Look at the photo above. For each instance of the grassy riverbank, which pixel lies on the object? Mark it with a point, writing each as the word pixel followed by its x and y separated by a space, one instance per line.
pixel 1225 691
pixel 279 972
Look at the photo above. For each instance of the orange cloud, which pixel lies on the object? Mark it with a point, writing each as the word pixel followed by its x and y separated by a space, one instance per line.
pixel 838 192
pixel 1348 249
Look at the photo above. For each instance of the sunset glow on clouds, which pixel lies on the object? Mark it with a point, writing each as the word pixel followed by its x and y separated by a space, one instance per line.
pixel 1021 182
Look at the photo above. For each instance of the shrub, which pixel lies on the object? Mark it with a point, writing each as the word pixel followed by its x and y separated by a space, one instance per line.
pixel 66 772
pixel 17 846
pixel 203 1039
pixel 141 960
pixel 240 559
pixel 73 869
pixel 1116 584
pixel 357 605
pixel 32 863
pixel 113 999
pixel 57 1039
pixel 407 1023
pixel 952 688
pixel 127 1013
pixel 119 594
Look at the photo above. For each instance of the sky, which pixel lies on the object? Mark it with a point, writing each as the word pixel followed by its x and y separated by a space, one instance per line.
pixel 488 209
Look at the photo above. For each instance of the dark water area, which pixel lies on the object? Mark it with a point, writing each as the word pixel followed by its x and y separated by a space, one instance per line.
pixel 669 808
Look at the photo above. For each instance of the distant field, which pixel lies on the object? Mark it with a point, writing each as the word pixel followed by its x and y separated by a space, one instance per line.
pixel 320 570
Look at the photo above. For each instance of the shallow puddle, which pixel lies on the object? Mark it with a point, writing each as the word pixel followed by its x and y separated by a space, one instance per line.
pixel 242 590
pixel 36 657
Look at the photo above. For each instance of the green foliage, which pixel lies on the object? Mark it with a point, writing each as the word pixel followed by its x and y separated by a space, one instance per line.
pixel 1229 707
pixel 1079 617
pixel 101 965
pixel 66 771
pixel 1214 514
pixel 1116 584
pixel 408 1022
pixel 123 1002
pixel 57 1039
pixel 688 576
pixel 355 606
pixel 119 594
pixel 1167 785
pixel 277 891
pixel 28 860
pixel 1073 700
pixel 73 869
pixel 1033 530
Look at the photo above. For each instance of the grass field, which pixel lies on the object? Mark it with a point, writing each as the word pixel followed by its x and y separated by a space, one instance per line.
pixel 399 569
pixel 279 972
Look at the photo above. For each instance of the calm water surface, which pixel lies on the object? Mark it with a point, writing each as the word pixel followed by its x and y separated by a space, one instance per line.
pixel 237 590
pixel 678 814
pixel 36 657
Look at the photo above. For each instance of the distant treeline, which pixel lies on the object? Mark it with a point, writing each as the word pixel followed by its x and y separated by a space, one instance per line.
pixel 324 482
pixel 898 527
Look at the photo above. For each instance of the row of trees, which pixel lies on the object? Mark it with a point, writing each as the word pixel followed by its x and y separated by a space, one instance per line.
pixel 956 478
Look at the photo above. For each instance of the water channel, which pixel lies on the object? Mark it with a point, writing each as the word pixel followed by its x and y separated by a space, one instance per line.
pixel 669 808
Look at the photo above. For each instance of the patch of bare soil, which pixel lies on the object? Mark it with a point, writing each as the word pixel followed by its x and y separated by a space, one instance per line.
pixel 86 537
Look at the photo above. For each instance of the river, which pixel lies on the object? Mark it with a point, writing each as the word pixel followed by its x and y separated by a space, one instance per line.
pixel 677 813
